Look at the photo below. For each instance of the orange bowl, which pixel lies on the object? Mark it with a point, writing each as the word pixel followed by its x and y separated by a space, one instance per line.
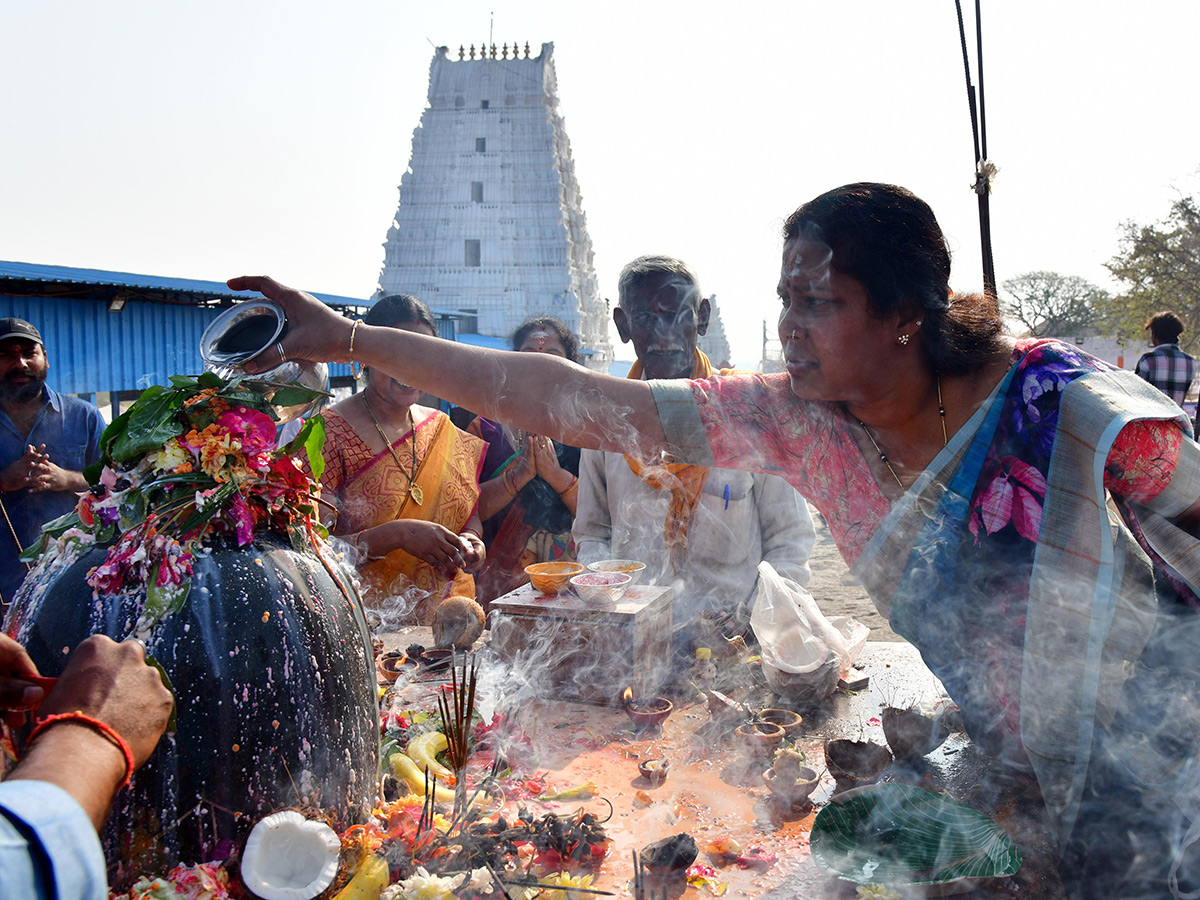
pixel 552 577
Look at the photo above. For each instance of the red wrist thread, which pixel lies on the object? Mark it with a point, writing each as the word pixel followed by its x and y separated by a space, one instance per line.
pixel 103 727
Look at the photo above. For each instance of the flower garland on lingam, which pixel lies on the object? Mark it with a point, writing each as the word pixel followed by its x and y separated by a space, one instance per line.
pixel 184 465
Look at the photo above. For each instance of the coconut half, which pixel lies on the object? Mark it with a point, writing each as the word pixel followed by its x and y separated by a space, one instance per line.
pixel 289 857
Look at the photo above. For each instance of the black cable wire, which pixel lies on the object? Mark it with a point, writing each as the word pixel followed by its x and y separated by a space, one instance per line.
pixel 979 136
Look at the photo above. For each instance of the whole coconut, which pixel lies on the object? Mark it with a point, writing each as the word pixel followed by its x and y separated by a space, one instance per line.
pixel 457 623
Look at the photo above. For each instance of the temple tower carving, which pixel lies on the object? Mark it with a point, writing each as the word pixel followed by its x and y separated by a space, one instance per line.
pixel 490 221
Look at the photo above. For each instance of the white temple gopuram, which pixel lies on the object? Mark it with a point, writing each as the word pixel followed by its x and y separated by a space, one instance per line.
pixel 714 342
pixel 491 222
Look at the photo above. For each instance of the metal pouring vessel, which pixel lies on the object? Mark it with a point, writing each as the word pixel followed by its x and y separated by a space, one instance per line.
pixel 241 333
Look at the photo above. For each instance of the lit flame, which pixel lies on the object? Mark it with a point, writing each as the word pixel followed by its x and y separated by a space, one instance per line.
pixel 627 696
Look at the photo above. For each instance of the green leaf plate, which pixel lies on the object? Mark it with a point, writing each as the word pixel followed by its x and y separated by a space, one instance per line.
pixel 894 834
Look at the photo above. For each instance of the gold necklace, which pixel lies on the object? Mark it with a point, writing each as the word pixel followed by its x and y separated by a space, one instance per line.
pixel 414 489
pixel 883 456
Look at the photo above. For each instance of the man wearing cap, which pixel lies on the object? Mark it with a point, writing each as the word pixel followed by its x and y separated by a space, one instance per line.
pixel 46 439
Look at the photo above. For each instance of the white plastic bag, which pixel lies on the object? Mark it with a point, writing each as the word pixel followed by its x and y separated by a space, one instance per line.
pixel 804 653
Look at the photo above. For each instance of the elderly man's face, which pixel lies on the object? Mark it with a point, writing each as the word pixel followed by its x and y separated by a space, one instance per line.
pixel 663 318
pixel 23 369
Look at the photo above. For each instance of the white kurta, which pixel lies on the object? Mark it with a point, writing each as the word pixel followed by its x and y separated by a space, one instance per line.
pixel 621 517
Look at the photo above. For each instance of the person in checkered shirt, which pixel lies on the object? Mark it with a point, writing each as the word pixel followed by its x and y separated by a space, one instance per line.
pixel 1166 366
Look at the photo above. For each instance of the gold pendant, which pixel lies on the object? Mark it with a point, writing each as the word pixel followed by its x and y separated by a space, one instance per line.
pixel 418 495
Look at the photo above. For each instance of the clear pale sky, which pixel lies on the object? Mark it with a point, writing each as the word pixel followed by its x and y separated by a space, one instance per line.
pixel 224 138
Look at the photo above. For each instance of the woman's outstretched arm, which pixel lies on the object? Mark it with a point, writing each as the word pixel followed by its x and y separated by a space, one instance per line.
pixel 534 391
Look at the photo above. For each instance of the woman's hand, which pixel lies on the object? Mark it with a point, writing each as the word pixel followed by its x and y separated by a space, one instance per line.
pixel 314 331
pixel 476 554
pixel 526 468
pixel 548 468
pixel 431 543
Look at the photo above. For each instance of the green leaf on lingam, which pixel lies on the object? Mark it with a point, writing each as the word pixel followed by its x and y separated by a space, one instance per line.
pixel 294 395
pixel 172 721
pixel 895 834
pixel 91 474
pixel 133 511
pixel 310 439
pixel 50 530
pixel 298 538
pixel 162 600
pixel 108 437
pixel 151 424
pixel 212 506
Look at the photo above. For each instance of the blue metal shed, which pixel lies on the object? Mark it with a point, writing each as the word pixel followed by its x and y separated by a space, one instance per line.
pixel 121 332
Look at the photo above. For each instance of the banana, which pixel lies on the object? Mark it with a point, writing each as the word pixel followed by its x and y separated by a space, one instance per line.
pixel 404 768
pixel 368 882
pixel 423 750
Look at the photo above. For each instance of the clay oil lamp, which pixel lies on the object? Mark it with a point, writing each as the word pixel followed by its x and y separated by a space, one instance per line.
pixel 759 738
pixel 392 664
pixel 648 712
pixel 435 660
pixel 911 734
pixel 854 763
pixel 786 719
pixel 790 779
pixel 654 770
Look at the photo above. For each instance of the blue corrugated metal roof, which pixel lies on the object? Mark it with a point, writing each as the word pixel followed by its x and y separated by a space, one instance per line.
pixel 70 275
pixel 91 349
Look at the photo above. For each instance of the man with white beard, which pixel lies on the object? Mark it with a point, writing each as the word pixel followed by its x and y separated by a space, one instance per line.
pixel 46 439
pixel 702 531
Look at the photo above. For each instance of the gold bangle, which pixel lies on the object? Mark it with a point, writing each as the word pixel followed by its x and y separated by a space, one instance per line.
pixel 354 328
pixel 574 484
pixel 510 486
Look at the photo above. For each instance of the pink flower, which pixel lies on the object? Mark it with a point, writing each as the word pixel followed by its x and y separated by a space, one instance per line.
pixel 108 577
pixel 205 881
pixel 243 520
pixel 253 430
pixel 176 563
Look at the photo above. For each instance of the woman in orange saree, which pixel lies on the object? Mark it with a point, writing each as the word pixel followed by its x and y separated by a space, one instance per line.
pixel 405 483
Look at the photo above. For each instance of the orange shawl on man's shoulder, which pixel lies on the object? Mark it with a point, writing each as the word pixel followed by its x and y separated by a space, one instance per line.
pixel 685 482
pixel 372 490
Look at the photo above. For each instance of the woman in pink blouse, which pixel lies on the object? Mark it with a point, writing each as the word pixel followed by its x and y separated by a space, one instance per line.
pixel 1022 512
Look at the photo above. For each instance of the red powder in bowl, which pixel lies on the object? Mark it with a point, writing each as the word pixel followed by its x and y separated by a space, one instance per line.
pixel 598 578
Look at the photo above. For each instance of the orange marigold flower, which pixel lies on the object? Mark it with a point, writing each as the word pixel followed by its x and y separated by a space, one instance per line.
pixel 202 397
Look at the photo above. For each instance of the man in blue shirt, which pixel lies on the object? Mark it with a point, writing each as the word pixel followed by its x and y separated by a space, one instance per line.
pixel 46 439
